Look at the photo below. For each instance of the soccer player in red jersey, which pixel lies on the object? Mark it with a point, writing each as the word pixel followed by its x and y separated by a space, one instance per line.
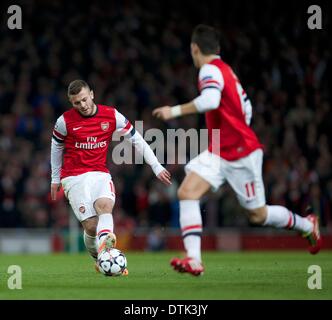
pixel 234 154
pixel 80 142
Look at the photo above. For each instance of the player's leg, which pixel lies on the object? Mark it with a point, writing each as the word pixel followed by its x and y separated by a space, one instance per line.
pixel 280 217
pixel 190 192
pixel 106 239
pixel 77 191
pixel 104 230
pixel 245 177
pixel 103 198
pixel 103 195
pixel 202 174
pixel 89 236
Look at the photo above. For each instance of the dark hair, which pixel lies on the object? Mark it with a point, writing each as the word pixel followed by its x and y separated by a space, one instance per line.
pixel 76 86
pixel 207 39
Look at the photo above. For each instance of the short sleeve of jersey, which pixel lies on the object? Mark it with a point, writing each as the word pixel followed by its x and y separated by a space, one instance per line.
pixel 60 130
pixel 123 126
pixel 210 76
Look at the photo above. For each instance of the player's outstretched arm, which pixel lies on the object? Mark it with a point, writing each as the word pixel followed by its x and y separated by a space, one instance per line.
pixel 167 112
pixel 211 84
pixel 165 177
pixel 124 127
pixel 144 149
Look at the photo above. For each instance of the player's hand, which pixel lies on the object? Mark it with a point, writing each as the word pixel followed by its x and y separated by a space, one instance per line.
pixel 165 177
pixel 55 187
pixel 163 113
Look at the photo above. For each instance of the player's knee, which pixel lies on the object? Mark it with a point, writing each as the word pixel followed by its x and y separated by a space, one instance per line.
pixel 182 193
pixel 103 205
pixel 257 216
pixel 186 193
pixel 256 219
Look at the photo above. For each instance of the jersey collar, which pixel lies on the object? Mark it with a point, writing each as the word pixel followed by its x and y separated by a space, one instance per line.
pixel 91 115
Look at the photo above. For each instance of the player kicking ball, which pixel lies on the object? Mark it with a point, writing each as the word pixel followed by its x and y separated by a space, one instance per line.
pixel 234 154
pixel 79 147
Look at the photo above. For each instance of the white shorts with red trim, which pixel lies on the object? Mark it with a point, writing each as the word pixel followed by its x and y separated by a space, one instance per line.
pixel 83 190
pixel 243 175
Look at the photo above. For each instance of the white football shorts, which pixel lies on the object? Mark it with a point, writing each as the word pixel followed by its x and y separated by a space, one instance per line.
pixel 83 190
pixel 243 175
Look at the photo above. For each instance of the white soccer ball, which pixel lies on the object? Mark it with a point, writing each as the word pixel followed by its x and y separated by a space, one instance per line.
pixel 112 262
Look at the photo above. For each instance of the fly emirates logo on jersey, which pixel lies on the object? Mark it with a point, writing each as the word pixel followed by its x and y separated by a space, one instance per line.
pixel 91 143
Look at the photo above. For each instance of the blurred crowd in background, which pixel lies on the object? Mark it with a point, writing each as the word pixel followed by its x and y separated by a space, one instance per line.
pixel 136 56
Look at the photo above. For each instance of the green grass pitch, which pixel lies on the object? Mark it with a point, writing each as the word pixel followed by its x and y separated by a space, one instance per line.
pixel 244 275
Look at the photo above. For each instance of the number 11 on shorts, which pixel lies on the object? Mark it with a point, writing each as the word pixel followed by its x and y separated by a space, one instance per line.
pixel 250 189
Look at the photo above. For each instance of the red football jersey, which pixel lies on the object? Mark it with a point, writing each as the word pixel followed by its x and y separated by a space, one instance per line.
pixel 234 139
pixel 86 139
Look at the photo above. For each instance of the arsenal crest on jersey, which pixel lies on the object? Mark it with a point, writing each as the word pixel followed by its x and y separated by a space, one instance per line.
pixel 105 126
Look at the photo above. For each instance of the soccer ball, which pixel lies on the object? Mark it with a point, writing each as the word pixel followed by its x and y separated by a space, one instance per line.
pixel 112 262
